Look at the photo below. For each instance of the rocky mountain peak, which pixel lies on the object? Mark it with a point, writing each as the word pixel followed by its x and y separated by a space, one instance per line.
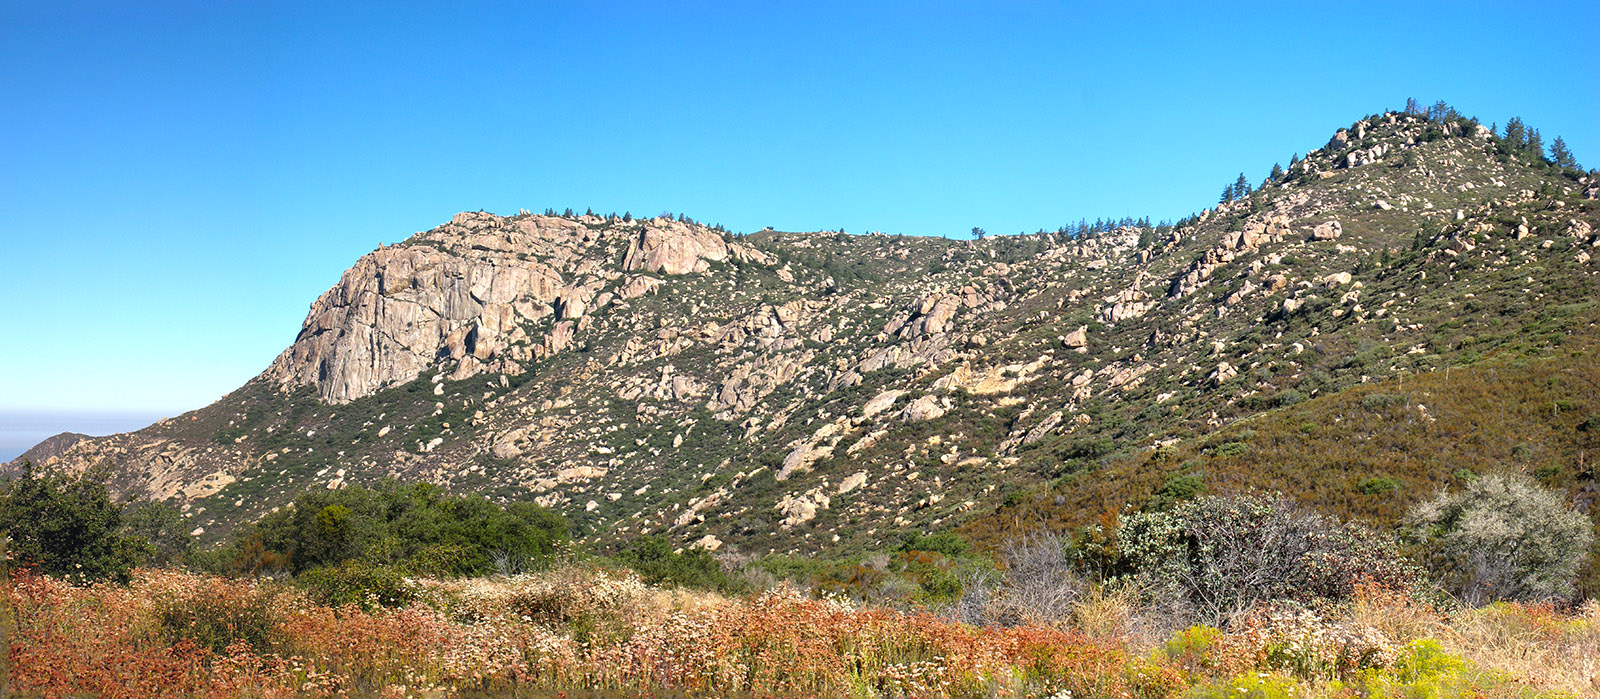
pixel 489 293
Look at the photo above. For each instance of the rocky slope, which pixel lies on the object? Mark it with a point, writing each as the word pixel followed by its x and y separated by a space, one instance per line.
pixel 51 448
pixel 800 391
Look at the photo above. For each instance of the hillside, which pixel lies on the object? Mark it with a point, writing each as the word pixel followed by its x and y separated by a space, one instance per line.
pixel 1412 299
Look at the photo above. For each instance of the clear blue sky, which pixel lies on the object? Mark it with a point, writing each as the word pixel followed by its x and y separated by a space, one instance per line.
pixel 178 181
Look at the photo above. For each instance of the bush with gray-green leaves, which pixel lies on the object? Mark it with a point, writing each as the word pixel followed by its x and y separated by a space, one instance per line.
pixel 1218 556
pixel 1503 537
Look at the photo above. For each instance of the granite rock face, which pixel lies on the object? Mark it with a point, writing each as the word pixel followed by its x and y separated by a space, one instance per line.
pixel 479 287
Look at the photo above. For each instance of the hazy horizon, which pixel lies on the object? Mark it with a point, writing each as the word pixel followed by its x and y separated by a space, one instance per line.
pixel 20 430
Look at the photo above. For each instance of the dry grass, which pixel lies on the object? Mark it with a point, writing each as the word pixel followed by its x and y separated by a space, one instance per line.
pixel 587 632
pixel 1533 644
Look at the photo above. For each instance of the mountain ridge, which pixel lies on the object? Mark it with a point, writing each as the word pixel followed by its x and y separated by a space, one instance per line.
pixel 800 391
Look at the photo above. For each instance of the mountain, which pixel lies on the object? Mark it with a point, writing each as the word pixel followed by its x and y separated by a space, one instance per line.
pixel 1414 301
pixel 50 448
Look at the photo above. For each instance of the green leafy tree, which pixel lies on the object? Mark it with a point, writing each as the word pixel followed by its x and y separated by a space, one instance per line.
pixel 1504 537
pixel 162 528
pixel 1241 187
pixel 67 526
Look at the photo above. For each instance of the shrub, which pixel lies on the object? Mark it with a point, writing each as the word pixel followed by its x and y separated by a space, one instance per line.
pixel 1040 584
pixel 654 560
pixel 1227 449
pixel 413 525
pixel 1223 555
pixel 1503 537
pixel 358 583
pixel 1378 485
pixel 1193 648
pixel 947 543
pixel 218 616
pixel 1376 401
pixel 67 526
pixel 1177 488
pixel 163 530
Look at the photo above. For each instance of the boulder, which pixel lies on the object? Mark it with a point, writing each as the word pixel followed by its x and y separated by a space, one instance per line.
pixel 1223 372
pixel 1077 340
pixel 881 402
pixel 1328 230
pixel 923 409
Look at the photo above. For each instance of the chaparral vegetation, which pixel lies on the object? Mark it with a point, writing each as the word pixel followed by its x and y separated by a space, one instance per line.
pixel 1220 596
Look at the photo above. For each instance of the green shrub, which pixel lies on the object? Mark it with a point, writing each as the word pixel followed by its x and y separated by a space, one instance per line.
pixel 1227 449
pixel 67 526
pixel 1177 488
pixel 358 583
pixel 1421 669
pixel 654 560
pixel 415 526
pixel 1378 485
pixel 1288 397
pixel 1376 401
pixel 1251 685
pixel 947 543
pixel 1192 648
pixel 163 530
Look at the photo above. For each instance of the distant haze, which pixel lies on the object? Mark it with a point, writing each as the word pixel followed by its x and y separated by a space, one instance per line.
pixel 20 430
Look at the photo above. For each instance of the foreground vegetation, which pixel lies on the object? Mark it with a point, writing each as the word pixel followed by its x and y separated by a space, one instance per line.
pixel 589 632
pixel 402 591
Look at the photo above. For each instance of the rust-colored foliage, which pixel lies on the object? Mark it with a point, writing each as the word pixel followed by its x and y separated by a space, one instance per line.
pixel 593 633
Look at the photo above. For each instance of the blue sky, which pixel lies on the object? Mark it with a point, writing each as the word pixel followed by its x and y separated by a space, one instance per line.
pixel 180 180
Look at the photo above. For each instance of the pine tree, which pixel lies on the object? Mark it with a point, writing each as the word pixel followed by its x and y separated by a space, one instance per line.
pixel 1535 144
pixel 1227 194
pixel 1277 172
pixel 1241 187
pixel 1560 155
pixel 1516 135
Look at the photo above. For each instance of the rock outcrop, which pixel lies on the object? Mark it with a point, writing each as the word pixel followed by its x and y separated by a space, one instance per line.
pixel 482 286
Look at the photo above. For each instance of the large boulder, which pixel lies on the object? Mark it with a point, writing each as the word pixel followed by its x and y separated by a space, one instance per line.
pixel 1328 230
